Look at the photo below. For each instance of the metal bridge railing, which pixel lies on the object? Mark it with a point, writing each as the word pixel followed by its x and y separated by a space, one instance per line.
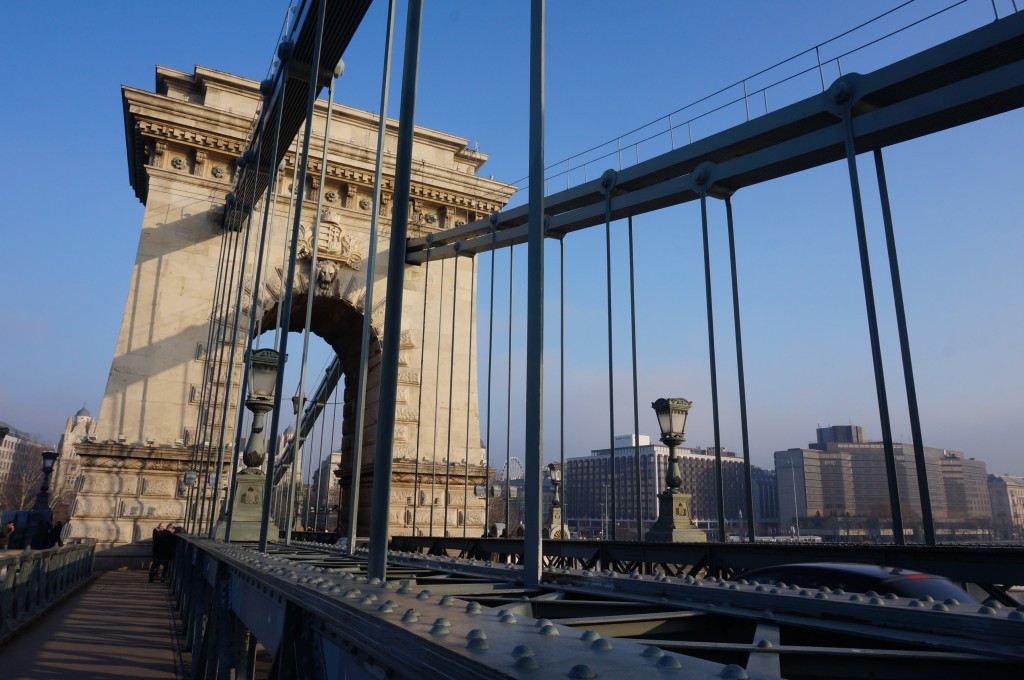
pixel 32 581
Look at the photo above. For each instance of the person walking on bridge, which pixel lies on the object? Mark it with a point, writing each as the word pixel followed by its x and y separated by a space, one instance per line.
pixel 159 550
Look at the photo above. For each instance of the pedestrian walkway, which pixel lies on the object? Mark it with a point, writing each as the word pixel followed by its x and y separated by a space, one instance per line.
pixel 118 626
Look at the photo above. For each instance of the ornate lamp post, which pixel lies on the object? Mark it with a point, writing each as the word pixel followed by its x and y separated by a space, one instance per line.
pixel 674 524
pixel 553 528
pixel 247 512
pixel 41 516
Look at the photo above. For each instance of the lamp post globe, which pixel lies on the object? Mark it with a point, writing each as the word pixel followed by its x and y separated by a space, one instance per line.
pixel 672 414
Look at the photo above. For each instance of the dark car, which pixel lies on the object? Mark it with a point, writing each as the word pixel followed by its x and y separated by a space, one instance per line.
pixel 861 578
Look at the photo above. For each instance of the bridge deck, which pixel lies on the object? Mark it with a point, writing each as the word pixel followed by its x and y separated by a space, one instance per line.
pixel 120 625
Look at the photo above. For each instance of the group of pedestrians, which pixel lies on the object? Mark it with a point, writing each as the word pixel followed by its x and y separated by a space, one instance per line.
pixel 44 537
pixel 163 552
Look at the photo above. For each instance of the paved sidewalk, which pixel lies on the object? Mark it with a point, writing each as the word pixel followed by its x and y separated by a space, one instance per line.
pixel 118 626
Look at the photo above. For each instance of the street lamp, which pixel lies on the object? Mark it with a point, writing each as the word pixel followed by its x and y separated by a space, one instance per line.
pixel 247 513
pixel 554 523
pixel 41 516
pixel 674 524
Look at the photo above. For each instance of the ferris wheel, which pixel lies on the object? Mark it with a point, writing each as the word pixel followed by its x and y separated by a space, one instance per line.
pixel 513 469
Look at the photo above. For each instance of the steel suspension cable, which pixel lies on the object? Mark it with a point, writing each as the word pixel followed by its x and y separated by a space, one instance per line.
pixel 416 491
pixel 256 320
pixel 927 520
pixel 451 393
pixel 192 497
pixel 636 402
pixel 289 240
pixel 371 268
pixel 437 400
pixel 320 474
pixel 608 182
pixel 469 393
pixel 719 490
pixel 215 501
pixel 490 357
pixel 561 370
pixel 314 79
pixel 740 373
pixel 330 458
pixel 508 402
pixel 313 260
pixel 211 419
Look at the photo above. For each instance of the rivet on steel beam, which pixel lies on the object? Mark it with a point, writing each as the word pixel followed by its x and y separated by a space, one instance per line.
pixel 940 608
pixel 590 635
pixel 527 663
pixel 952 600
pixel 856 598
pixel 917 604
pixel 522 650
pixel 652 653
pixel 385 608
pixel 508 618
pixel 601 645
pixel 410 616
pixel 582 671
pixel 284 51
pixel 877 601
pixel 473 608
pixel 423 595
pixel 446 601
pixel 988 611
pixel 540 623
pixel 549 630
pixel 669 663
pixel 477 644
pixel 1016 615
pixel 733 672
pixel 440 630
pixel 476 634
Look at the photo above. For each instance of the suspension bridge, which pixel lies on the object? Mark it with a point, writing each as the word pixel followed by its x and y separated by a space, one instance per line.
pixel 418 589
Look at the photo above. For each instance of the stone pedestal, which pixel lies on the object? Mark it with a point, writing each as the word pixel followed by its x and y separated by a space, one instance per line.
pixel 123 493
pixel 554 524
pixel 674 524
pixel 247 512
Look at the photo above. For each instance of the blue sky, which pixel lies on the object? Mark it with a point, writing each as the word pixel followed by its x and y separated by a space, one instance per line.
pixel 70 223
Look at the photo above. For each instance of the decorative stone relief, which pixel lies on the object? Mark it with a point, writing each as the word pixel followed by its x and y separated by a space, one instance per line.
pixel 364 203
pixel 303 249
pixel 460 223
pixel 402 395
pixel 178 163
pixel 409 376
pixel 326 272
pixel 109 484
pixel 406 413
pixel 406 341
pixel 402 433
pixel 219 172
pixel 157 487
pixel 431 218
pixel 331 196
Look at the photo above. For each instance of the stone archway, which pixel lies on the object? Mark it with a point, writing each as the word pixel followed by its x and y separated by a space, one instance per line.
pixel 183 140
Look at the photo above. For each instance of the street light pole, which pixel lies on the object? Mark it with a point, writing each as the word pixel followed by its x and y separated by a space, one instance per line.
pixel 674 523
pixel 242 522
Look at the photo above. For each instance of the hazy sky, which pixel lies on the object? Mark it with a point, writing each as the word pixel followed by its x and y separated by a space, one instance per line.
pixel 70 223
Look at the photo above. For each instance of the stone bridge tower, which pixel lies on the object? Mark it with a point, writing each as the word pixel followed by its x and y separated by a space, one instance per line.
pixel 182 142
